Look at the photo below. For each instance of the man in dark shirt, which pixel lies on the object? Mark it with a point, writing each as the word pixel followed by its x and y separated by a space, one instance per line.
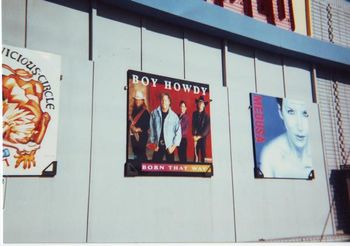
pixel 200 129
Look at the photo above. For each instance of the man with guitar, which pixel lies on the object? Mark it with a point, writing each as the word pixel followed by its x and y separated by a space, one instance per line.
pixel 139 125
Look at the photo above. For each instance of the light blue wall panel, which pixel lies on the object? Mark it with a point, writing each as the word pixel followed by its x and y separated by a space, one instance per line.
pixel 55 209
pixel 204 61
pixel 222 224
pixel 162 49
pixel 116 36
pixel 13 22
pixel 269 74
pixel 247 196
pixel 13 33
pixel 61 28
pixel 312 202
pixel 279 197
pixel 276 194
pixel 45 210
pixel 115 202
pixel 203 64
pixel 140 209
pixel 297 77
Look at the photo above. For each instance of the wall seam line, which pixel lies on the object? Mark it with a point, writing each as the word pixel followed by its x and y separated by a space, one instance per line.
pixel 25 24
pixel 284 77
pixel 4 183
pixel 91 148
pixel 184 52
pixel 141 38
pixel 223 60
pixel 255 77
pixel 90 27
pixel 231 160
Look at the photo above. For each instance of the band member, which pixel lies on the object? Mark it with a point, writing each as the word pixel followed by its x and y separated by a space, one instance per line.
pixel 200 129
pixel 184 122
pixel 165 130
pixel 139 125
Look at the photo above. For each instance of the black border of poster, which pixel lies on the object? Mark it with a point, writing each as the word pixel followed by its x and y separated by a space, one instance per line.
pixel 45 173
pixel 133 168
pixel 257 172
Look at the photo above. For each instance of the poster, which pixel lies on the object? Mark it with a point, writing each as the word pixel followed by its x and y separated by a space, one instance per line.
pixel 168 127
pixel 281 138
pixel 30 92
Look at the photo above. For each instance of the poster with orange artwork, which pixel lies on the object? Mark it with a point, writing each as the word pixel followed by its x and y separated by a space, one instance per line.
pixel 30 92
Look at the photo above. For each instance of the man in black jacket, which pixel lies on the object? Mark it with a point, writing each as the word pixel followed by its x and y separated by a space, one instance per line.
pixel 200 129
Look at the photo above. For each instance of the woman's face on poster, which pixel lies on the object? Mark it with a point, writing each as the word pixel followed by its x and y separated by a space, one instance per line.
pixel 295 117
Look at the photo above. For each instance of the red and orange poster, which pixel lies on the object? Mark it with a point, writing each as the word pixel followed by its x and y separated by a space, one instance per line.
pixel 168 130
pixel 30 92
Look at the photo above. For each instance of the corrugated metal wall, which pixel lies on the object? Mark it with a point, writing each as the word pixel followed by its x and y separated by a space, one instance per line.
pixel 330 131
pixel 89 200
pixel 331 22
pixel 334 16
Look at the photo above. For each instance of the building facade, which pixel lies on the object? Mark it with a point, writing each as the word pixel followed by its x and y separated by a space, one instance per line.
pixel 90 199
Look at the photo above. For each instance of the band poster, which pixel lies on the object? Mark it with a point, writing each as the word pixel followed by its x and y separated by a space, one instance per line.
pixel 168 131
pixel 281 138
pixel 30 102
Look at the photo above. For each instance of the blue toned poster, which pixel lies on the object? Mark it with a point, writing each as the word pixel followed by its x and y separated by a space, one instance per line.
pixel 281 138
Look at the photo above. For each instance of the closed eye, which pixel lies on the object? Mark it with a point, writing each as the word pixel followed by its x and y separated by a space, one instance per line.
pixel 291 111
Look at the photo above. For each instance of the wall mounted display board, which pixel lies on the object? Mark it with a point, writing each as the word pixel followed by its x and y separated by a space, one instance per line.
pixel 281 138
pixel 30 90
pixel 168 127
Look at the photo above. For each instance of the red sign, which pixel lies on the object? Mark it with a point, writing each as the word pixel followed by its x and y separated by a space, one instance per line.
pixel 275 12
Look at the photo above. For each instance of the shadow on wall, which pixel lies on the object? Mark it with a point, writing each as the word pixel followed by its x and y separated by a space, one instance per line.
pixel 164 27
pixel 116 14
pixel 340 183
pixel 82 5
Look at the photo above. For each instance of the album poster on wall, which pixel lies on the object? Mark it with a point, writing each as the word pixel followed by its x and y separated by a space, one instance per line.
pixel 168 127
pixel 30 101
pixel 281 138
